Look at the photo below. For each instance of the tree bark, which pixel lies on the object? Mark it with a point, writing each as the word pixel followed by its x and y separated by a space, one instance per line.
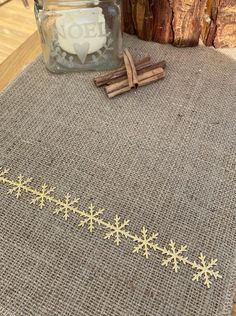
pixel 166 21
pixel 219 25
pixel 162 22
pixel 188 15
pixel 143 18
pixel 128 24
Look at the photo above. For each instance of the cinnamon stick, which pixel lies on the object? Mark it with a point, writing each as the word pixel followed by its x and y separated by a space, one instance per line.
pixel 128 71
pixel 121 75
pixel 104 79
pixel 125 82
pixel 130 68
pixel 151 79
pixel 140 70
pixel 117 92
pixel 143 79
pixel 132 75
pixel 141 83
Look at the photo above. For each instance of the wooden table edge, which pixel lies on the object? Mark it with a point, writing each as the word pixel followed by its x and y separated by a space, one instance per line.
pixel 19 59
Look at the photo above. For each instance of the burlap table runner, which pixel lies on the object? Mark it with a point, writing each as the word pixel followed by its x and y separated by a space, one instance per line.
pixel 120 207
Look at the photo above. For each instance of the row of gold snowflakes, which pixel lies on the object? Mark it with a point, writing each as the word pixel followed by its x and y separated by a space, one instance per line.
pixel 117 230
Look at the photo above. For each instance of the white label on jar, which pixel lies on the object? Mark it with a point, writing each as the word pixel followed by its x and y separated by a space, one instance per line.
pixel 82 32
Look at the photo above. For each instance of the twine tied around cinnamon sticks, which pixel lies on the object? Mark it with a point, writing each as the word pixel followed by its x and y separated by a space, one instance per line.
pixel 131 76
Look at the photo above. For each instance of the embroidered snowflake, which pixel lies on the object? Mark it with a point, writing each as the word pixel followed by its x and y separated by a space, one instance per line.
pixel 174 256
pixel 117 230
pixel 42 196
pixel 19 186
pixel 66 206
pixel 205 270
pixel 91 217
pixel 3 171
pixel 145 243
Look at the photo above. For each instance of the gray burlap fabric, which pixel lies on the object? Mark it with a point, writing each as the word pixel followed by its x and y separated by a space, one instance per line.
pixel 158 160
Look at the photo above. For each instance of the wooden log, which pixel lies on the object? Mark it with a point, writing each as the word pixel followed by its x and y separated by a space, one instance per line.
pixel 209 23
pixel 219 25
pixel 180 22
pixel 162 22
pixel 143 18
pixel 128 24
pixel 167 21
pixel 188 15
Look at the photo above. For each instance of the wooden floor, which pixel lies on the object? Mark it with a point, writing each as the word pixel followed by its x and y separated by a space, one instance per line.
pixel 16 24
pixel 19 45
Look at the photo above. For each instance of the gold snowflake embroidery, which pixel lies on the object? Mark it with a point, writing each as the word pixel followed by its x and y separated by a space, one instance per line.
pixel 145 243
pixel 42 196
pixel 205 270
pixel 91 217
pixel 67 206
pixel 117 230
pixel 19 186
pixel 3 172
pixel 174 256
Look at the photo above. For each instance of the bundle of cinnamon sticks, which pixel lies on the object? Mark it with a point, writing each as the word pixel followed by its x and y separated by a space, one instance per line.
pixel 132 75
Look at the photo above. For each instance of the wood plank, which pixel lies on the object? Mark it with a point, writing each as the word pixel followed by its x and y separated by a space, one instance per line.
pixel 16 23
pixel 3 1
pixel 19 59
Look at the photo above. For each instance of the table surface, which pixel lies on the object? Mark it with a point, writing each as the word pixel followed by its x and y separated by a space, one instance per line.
pixel 19 59
pixel 16 24
pixel 24 55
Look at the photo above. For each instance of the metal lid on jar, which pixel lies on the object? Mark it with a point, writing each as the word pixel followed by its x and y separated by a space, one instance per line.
pixel 50 4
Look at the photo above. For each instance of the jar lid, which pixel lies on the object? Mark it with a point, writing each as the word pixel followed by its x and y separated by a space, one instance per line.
pixel 57 5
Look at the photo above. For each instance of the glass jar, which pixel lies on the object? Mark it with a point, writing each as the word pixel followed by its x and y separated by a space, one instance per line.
pixel 80 35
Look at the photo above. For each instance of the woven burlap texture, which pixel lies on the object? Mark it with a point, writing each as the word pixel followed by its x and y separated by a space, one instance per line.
pixel 162 157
